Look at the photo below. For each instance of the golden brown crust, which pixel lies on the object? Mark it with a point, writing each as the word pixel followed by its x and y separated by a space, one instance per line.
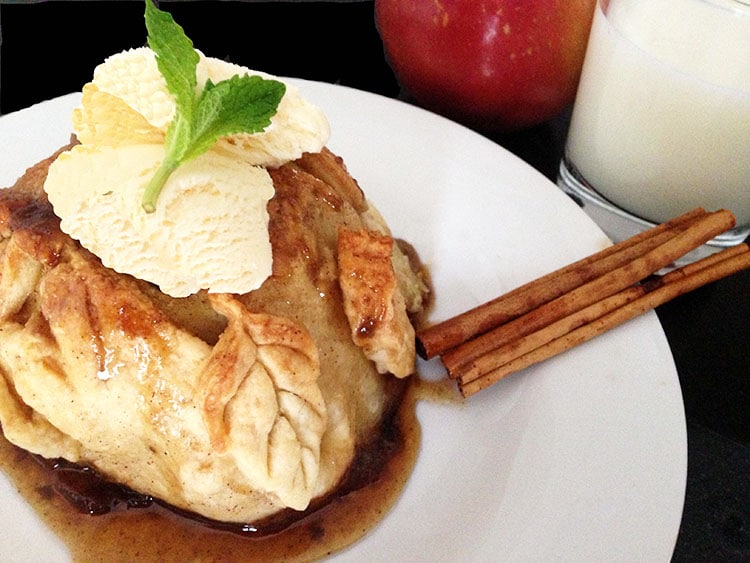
pixel 232 406
pixel 330 168
pixel 373 302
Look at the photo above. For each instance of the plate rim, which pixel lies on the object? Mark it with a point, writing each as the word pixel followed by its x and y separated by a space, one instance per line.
pixel 653 323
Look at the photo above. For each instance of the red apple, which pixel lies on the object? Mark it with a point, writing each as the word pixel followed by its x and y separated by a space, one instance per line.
pixel 495 65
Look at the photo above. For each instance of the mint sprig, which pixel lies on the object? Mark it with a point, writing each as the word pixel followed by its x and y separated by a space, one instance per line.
pixel 241 104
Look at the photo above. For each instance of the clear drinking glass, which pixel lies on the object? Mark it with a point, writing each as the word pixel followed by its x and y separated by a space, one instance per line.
pixel 661 121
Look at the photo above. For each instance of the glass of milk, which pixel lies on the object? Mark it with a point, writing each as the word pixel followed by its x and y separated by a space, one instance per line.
pixel 661 121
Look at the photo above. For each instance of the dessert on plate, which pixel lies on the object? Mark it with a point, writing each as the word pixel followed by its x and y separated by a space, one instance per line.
pixel 223 339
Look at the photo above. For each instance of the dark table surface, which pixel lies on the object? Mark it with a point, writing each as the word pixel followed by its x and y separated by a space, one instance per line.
pixel 50 48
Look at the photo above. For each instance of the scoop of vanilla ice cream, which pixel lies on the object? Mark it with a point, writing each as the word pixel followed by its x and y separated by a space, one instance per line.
pixel 134 77
pixel 210 227
pixel 297 127
pixel 192 241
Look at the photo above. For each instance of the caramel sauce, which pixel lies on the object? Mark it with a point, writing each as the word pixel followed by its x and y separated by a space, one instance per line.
pixel 103 521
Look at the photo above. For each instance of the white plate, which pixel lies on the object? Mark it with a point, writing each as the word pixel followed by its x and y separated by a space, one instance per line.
pixel 581 458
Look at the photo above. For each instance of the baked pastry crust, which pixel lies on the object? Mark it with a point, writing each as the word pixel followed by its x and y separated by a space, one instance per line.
pixel 230 406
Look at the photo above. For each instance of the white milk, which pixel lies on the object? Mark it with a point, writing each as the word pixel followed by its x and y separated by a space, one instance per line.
pixel 661 122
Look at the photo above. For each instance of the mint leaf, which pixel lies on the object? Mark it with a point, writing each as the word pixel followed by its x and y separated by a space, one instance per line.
pixel 241 104
pixel 175 56
pixel 223 109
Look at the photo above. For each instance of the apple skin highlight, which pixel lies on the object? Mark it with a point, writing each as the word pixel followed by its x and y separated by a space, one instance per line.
pixel 494 65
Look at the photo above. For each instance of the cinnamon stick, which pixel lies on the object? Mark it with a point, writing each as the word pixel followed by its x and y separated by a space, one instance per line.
pixel 439 338
pixel 599 317
pixel 697 231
